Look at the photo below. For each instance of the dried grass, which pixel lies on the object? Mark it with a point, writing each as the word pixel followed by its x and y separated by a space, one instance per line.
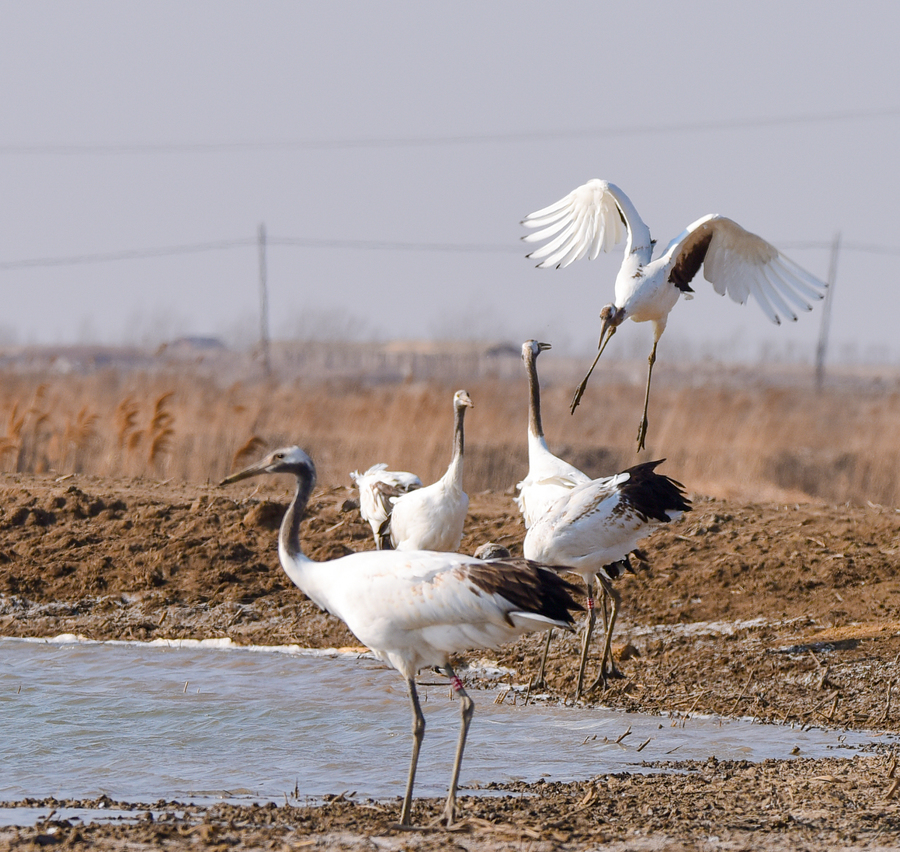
pixel 736 437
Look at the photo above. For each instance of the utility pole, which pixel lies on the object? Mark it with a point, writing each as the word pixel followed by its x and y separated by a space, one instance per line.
pixel 263 302
pixel 822 347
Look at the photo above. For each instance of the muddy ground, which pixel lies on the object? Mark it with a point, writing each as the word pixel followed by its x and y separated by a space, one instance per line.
pixel 786 613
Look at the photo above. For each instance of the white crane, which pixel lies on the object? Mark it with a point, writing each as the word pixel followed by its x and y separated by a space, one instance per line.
pixel 591 218
pixel 376 488
pixel 415 609
pixel 593 528
pixel 432 518
pixel 549 477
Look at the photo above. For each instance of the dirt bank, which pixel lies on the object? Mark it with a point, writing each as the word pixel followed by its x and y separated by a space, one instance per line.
pixel 781 612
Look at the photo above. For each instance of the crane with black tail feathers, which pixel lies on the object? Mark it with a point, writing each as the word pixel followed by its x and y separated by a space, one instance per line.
pixel 414 609
pixel 591 530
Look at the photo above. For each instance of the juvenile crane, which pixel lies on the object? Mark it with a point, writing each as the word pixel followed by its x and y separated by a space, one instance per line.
pixel 376 488
pixel 415 609
pixel 432 518
pixel 590 219
pixel 592 529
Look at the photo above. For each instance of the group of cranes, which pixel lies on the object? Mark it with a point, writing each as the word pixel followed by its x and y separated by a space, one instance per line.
pixel 415 608
pixel 404 515
pixel 418 603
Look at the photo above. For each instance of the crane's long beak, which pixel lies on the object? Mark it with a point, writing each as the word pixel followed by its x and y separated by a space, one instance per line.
pixel 246 473
pixel 607 330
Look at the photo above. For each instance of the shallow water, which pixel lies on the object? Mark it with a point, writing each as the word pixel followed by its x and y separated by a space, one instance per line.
pixel 140 722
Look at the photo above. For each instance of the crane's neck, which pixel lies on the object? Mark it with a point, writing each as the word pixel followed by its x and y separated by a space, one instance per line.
pixel 535 427
pixel 289 535
pixel 453 476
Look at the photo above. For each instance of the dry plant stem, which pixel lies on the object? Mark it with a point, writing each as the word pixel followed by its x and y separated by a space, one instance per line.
pixel 743 692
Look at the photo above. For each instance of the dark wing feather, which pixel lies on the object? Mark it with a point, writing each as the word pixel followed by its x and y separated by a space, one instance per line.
pixel 691 258
pixel 528 586
pixel 651 494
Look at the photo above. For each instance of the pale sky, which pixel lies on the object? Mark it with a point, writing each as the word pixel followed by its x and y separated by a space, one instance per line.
pixel 399 144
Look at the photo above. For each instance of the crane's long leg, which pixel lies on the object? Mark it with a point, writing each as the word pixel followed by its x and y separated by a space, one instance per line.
pixel 609 621
pixel 540 678
pixel 604 608
pixel 466 709
pixel 589 627
pixel 642 429
pixel 616 598
pixel 418 731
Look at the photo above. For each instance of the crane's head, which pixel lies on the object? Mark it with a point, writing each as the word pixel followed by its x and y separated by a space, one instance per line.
pixel 611 318
pixel 532 348
pixel 492 550
pixel 286 460
pixel 461 399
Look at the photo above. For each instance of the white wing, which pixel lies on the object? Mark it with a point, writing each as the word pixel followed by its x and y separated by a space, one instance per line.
pixel 594 217
pixel 742 264
pixel 602 521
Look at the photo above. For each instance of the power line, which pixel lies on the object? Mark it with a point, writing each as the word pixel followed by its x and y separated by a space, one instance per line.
pixel 352 245
pixel 126 254
pixel 384 245
pixel 104 149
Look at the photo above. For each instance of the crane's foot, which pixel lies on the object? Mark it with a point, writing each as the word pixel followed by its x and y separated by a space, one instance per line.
pixel 599 681
pixel 642 434
pixel 447 817
pixel 579 392
pixel 602 679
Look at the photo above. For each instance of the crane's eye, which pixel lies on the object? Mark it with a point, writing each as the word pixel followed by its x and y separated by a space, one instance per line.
pixel 279 456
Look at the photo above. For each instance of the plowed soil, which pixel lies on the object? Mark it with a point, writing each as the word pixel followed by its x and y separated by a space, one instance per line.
pixel 787 613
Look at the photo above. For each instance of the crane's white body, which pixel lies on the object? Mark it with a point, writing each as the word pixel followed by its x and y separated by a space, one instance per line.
pixel 591 526
pixel 413 609
pixel 549 477
pixel 597 216
pixel 591 530
pixel 376 488
pixel 433 517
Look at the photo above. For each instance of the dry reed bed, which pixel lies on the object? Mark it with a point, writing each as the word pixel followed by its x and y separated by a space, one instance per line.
pixel 739 440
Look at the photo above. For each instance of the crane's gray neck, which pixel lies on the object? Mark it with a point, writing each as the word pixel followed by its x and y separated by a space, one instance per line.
pixel 454 472
pixel 289 534
pixel 535 427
